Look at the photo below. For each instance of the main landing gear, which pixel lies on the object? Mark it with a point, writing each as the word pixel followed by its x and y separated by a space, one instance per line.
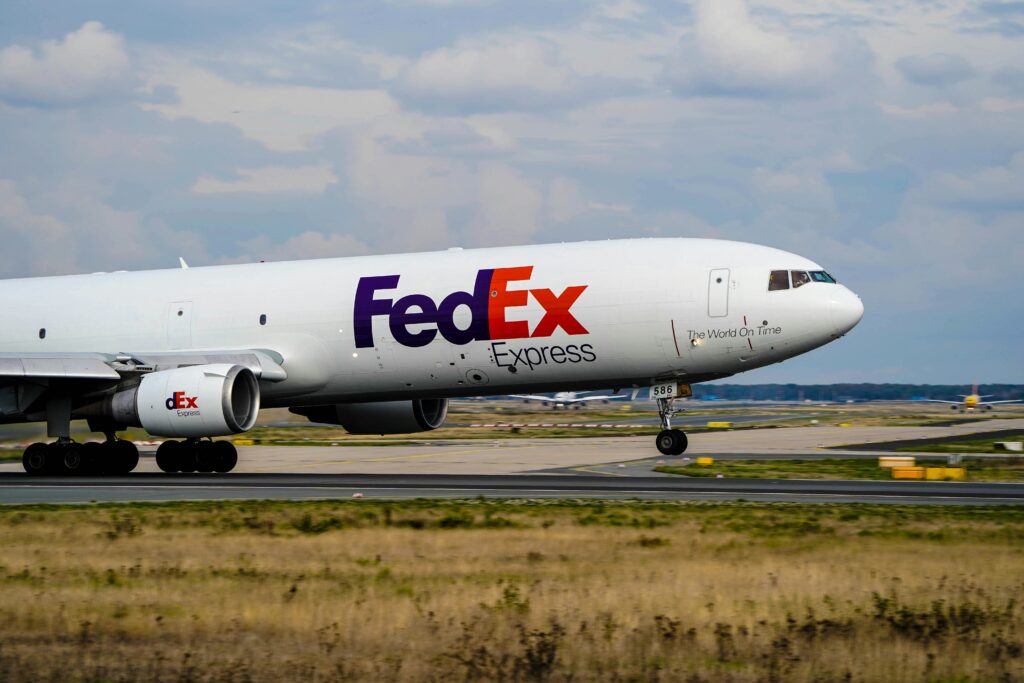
pixel 195 455
pixel 670 441
pixel 64 456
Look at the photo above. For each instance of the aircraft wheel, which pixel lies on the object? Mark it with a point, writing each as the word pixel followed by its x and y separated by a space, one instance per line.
pixel 206 454
pixel 672 442
pixel 225 456
pixel 92 457
pixel 35 459
pixel 168 456
pixel 124 456
pixel 187 456
pixel 69 458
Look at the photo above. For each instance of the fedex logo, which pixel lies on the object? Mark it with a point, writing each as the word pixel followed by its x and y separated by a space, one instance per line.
pixel 179 401
pixel 493 295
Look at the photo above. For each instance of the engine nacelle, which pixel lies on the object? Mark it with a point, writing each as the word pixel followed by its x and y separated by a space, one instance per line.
pixel 201 400
pixel 386 417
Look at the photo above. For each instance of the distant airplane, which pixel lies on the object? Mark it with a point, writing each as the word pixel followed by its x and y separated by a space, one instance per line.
pixel 971 401
pixel 563 399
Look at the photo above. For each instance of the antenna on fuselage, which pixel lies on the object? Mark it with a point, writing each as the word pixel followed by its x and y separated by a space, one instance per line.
pixel 184 266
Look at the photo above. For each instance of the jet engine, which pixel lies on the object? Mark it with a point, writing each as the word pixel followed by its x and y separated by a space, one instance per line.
pixel 386 417
pixel 196 401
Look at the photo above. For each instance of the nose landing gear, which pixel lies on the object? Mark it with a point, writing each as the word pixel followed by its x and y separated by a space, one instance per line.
pixel 670 441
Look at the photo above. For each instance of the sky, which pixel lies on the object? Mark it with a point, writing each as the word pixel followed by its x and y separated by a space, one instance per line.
pixel 884 140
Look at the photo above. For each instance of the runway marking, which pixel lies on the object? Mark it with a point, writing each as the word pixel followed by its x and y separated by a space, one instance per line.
pixel 416 456
pixel 585 468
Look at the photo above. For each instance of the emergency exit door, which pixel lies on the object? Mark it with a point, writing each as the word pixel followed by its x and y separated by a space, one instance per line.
pixel 718 293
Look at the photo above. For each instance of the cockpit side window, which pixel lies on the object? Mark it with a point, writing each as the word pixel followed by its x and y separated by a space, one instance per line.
pixel 822 276
pixel 800 278
pixel 779 279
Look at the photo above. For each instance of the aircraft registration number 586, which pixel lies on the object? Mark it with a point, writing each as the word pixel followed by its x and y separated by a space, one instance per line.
pixel 671 390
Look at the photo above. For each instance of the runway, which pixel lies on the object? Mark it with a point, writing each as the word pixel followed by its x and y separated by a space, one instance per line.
pixel 22 489
pixel 595 467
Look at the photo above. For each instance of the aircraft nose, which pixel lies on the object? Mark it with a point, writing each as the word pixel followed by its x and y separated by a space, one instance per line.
pixel 845 309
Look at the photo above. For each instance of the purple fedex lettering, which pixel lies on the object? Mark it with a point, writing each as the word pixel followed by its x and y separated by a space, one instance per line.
pixel 417 309
pixel 489 304
pixel 367 307
pixel 477 303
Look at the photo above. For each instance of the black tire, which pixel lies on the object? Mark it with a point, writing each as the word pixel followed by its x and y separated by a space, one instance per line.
pixel 36 459
pixel 187 456
pixel 168 456
pixel 93 458
pixel 683 442
pixel 225 456
pixel 206 456
pixel 70 460
pixel 672 442
pixel 124 456
pixel 666 442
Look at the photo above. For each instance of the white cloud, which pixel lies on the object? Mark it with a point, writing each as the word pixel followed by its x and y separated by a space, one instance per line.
pixel 730 53
pixel 509 209
pixel 936 69
pixel 299 179
pixel 87 63
pixel 33 241
pixel 565 200
pixel 493 73
pixel 796 187
pixel 623 10
pixel 991 187
pixel 281 117
pixel 310 244
pixel 924 111
pixel 70 229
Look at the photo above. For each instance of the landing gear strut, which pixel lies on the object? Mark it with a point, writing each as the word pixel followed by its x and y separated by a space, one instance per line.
pixel 64 456
pixel 195 455
pixel 670 441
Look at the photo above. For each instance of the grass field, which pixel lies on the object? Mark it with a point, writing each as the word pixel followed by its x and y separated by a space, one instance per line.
pixel 1010 469
pixel 978 445
pixel 503 591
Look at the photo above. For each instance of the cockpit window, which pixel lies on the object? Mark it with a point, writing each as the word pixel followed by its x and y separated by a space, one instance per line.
pixel 779 279
pixel 800 278
pixel 822 276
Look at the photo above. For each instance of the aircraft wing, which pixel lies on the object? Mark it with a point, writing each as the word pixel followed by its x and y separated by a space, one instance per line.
pixel 989 403
pixel 27 378
pixel 928 400
pixel 16 367
pixel 531 397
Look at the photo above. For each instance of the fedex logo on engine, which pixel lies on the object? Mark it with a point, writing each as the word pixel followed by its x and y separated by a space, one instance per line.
pixel 488 303
pixel 179 401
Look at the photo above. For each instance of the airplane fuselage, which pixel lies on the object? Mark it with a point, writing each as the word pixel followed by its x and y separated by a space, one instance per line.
pixel 453 323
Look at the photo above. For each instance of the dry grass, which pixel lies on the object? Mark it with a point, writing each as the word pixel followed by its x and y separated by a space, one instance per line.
pixel 480 590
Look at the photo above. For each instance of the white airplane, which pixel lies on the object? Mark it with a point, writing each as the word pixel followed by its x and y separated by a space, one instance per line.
pixel 561 399
pixel 378 344
pixel 971 401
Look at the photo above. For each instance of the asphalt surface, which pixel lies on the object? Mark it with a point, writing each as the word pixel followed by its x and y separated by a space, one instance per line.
pixel 22 489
